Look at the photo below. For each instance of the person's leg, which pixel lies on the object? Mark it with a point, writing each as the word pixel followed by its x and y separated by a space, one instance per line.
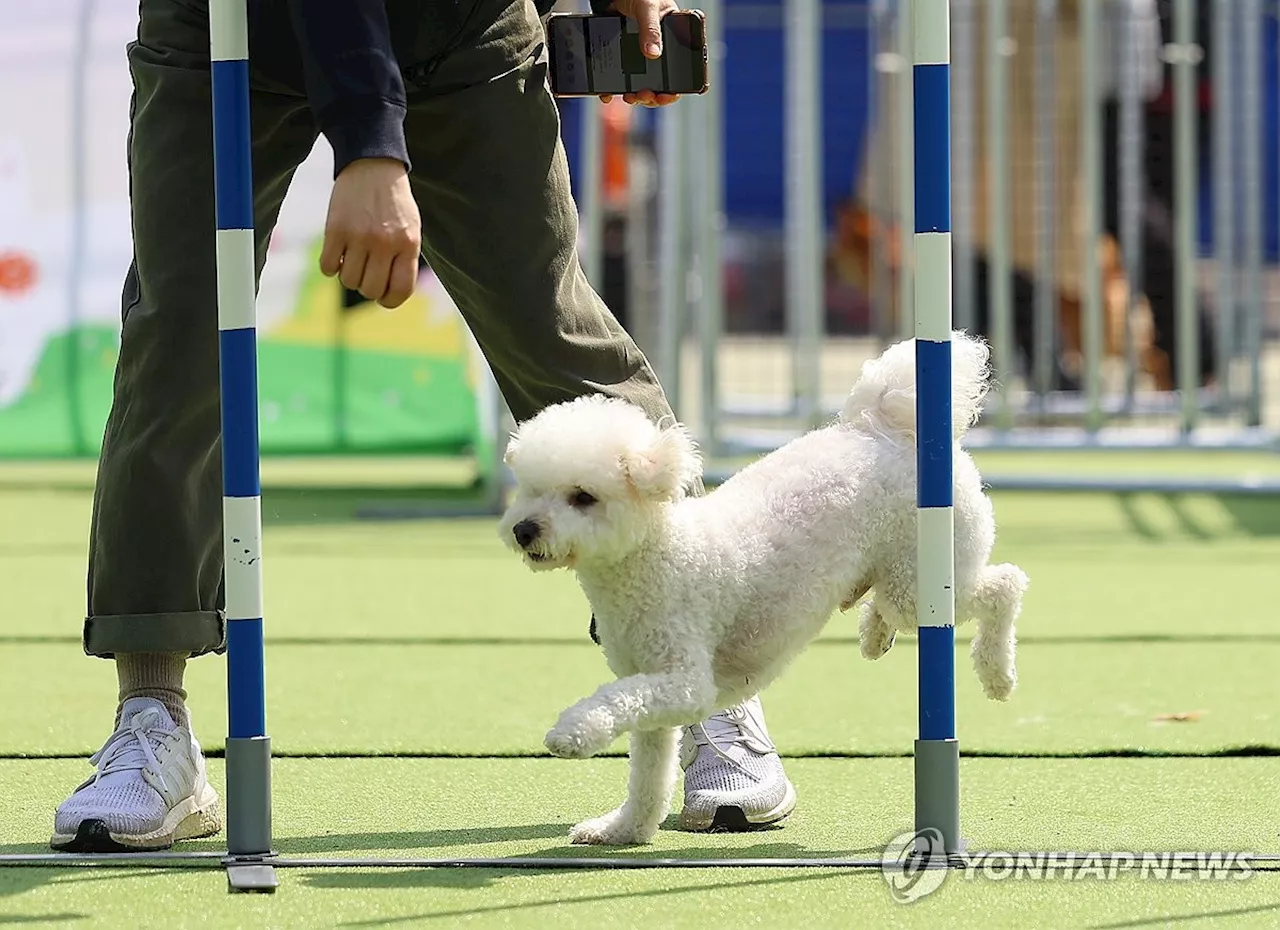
pixel 155 561
pixel 500 228
pixel 1023 298
pixel 1111 168
pixel 616 284
pixel 1159 250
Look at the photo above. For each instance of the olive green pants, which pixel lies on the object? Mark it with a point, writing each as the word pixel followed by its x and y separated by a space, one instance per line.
pixel 499 228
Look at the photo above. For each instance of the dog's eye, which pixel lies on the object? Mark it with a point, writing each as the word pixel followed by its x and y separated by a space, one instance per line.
pixel 581 498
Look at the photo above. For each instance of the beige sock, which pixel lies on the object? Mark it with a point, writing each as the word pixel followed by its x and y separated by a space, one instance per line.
pixel 155 675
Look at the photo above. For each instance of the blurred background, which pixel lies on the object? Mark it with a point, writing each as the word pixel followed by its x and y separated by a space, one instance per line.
pixel 1116 234
pixel 1114 214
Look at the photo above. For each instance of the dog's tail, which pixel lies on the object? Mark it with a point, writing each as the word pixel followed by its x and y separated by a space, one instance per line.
pixel 884 397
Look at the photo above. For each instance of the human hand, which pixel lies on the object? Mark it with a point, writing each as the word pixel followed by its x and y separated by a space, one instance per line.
pixel 648 14
pixel 373 232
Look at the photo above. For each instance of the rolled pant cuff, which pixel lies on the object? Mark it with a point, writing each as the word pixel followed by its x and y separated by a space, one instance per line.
pixel 195 632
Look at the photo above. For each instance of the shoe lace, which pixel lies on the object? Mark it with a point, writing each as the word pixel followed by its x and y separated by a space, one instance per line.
pixel 133 747
pixel 715 730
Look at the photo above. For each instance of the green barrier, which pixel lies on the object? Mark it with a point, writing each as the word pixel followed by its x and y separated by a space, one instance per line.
pixel 332 379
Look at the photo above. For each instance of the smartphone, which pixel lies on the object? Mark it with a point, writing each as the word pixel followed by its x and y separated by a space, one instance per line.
pixel 591 55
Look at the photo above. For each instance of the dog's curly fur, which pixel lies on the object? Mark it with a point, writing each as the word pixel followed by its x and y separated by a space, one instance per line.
pixel 702 601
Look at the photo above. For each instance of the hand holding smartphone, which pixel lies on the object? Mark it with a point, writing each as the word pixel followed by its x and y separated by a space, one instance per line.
pixel 600 55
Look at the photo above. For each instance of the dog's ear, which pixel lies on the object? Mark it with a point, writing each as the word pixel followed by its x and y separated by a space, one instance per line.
pixel 663 469
pixel 509 453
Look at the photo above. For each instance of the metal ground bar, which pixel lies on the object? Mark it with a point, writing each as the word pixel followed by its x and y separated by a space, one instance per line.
pixel 1257 862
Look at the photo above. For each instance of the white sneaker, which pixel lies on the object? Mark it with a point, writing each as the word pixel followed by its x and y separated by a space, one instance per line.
pixel 150 789
pixel 733 778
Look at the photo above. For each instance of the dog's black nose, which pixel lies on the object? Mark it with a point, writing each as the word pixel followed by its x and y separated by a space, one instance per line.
pixel 526 531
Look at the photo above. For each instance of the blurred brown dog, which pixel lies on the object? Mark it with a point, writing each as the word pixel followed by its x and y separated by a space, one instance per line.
pixel 849 262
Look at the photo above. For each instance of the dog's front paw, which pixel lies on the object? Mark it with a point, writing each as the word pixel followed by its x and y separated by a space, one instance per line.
pixel 567 745
pixel 579 736
pixel 615 828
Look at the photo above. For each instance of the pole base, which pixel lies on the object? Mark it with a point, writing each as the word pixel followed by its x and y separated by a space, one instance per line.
pixel 937 774
pixel 249 796
pixel 250 876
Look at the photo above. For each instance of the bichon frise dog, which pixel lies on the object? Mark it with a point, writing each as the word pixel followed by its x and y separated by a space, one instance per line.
pixel 700 602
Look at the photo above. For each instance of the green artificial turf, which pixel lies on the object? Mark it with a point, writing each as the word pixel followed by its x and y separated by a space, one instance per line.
pixel 428 638
pixel 1100 565
pixel 848 808
pixel 501 699
pixel 1141 608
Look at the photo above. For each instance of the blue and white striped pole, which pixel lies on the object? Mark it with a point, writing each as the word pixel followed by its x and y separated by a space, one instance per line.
pixel 248 746
pixel 937 753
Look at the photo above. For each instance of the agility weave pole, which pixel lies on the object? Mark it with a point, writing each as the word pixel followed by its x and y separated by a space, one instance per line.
pixel 248 746
pixel 937 755
pixel 250 861
pixel 937 752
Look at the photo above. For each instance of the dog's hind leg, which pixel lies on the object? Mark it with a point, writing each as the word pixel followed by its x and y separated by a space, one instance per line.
pixel 995 603
pixel 854 596
pixel 875 636
pixel 653 779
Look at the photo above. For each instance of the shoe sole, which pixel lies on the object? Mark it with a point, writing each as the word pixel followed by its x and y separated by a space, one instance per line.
pixel 730 818
pixel 191 819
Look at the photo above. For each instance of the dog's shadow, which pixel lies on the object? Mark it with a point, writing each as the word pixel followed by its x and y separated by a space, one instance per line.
pixel 556 897
pixel 552 890
pixel 475 876
pixel 422 842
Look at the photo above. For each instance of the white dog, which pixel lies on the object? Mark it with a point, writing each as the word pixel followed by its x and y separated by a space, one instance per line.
pixel 700 602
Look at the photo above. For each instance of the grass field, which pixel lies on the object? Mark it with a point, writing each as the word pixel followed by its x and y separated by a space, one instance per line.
pixel 413 668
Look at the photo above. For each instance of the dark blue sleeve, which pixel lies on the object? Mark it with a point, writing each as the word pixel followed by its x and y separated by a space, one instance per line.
pixel 352 78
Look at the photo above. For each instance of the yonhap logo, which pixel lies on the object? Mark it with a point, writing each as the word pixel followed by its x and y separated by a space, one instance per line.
pixel 914 865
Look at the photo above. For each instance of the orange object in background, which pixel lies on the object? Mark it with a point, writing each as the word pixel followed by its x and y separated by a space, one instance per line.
pixel 17 273
pixel 617 129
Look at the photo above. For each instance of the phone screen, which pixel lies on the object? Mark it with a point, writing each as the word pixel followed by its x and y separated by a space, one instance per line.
pixel 601 55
